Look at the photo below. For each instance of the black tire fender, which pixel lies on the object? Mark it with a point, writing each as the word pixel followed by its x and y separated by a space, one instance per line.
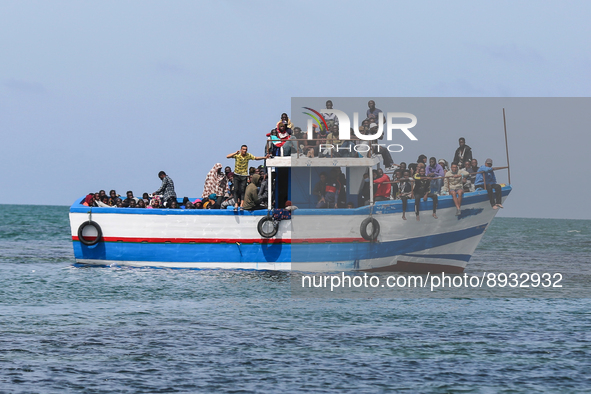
pixel 271 233
pixel 375 225
pixel 99 233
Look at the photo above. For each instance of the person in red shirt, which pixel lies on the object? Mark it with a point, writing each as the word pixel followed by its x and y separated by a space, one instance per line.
pixel 384 187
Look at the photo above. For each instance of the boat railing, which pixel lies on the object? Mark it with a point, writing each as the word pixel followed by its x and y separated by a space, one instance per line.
pixel 431 178
pixel 317 142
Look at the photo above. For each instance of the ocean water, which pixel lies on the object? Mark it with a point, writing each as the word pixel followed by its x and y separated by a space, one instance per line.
pixel 95 330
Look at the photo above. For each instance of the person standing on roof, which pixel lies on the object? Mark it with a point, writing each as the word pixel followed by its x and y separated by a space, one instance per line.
pixel 242 158
pixel 373 112
pixel 166 189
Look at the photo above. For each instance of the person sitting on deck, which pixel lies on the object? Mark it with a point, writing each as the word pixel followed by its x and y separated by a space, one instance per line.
pixel 129 198
pixel 251 195
pixel 421 190
pixel 472 171
pixel 469 184
pixel 455 180
pixel 141 204
pixel 215 182
pixel 274 145
pixel 146 198
pixel 166 189
pixel 333 140
pixel 210 202
pixel 436 171
pixel 384 187
pixel 327 190
pixel 242 158
pixel 285 121
pixel 322 137
pixel 443 163
pixel 284 133
pixel 154 202
pixel 405 190
pixel 263 188
pixel 487 174
pixel 103 202
pixel 395 177
pixel 131 204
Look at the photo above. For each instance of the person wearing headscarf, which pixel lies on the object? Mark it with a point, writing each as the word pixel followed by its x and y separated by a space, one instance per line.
pixel 286 121
pixel 216 182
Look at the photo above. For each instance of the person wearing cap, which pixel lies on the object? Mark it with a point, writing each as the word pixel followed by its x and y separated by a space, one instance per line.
pixel 463 153
pixel 443 164
pixel 486 173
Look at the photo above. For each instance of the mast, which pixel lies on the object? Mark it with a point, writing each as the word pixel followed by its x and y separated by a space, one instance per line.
pixel 507 147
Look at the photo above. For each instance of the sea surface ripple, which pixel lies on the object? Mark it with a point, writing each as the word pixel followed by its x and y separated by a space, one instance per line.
pixel 95 330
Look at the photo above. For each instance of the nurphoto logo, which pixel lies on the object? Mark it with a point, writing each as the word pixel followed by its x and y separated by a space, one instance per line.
pixel 378 134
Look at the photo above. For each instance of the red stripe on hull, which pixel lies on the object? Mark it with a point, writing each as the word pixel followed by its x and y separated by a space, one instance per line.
pixel 418 268
pixel 226 240
pixel 189 240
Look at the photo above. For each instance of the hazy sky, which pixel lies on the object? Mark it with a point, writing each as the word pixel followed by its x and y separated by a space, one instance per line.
pixel 103 95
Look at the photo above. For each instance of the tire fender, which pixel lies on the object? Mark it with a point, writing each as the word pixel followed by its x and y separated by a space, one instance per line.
pixel 375 229
pixel 271 233
pixel 99 233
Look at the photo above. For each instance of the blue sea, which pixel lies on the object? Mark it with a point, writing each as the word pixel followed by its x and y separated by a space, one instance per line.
pixel 94 330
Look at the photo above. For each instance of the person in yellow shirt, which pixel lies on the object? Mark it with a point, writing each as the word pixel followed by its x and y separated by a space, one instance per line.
pixel 242 158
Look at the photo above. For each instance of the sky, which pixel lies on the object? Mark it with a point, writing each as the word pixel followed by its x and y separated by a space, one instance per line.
pixel 103 95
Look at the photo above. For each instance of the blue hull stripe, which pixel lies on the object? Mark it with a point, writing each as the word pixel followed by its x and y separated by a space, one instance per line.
pixel 459 257
pixel 361 251
pixel 127 251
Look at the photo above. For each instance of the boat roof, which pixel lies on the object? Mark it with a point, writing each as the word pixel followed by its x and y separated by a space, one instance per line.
pixel 303 161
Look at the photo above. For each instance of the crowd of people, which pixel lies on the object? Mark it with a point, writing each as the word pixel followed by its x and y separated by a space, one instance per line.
pixel 244 188
pixel 247 187
pixel 425 180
